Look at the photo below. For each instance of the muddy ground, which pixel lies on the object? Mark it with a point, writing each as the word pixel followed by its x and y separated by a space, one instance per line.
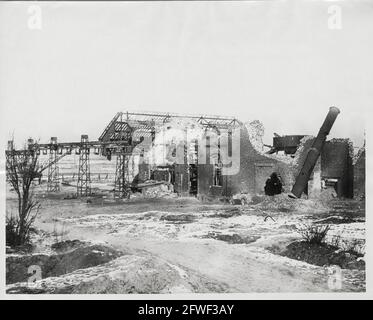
pixel 177 245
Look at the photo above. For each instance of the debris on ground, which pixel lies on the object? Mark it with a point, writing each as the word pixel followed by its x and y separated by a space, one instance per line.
pixel 283 203
pixel 179 218
pixel 156 189
pixel 127 274
pixel 241 198
pixel 226 213
pixel 219 246
pixel 232 238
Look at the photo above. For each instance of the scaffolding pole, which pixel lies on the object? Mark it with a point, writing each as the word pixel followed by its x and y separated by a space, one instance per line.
pixel 121 189
pixel 53 184
pixel 84 176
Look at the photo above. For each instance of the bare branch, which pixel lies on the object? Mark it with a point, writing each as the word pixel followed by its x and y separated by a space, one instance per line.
pixel 22 169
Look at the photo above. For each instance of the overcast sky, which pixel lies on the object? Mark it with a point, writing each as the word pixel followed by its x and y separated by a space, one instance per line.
pixel 275 61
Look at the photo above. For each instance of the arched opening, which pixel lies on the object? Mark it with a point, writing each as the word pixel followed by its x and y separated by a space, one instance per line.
pixel 273 185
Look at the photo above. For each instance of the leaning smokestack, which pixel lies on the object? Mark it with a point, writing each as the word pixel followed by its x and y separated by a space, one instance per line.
pixel 313 154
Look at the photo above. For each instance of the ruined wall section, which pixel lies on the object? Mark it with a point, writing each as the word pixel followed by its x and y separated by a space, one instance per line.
pixel 336 157
pixel 256 165
pixel 336 162
pixel 205 178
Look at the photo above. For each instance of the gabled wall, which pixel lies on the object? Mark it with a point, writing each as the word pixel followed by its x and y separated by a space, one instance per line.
pixel 255 168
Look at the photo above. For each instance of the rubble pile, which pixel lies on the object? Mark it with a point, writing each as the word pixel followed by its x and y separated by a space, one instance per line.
pixel 282 203
pixel 156 189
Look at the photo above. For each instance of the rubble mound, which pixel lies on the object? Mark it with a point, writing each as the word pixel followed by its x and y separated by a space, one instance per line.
pixel 324 255
pixel 232 238
pixel 60 263
pixel 127 274
pixel 179 218
pixel 224 213
pixel 283 203
pixel 156 189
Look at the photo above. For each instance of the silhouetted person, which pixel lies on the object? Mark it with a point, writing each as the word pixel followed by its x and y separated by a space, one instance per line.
pixel 273 185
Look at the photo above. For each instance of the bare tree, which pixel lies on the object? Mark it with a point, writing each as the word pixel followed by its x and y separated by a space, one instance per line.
pixel 22 168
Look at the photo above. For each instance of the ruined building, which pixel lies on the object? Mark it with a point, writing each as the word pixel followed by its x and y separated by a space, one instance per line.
pixel 334 170
pixel 165 132
pixel 206 156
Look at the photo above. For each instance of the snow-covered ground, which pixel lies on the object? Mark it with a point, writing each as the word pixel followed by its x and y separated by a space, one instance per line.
pixel 224 244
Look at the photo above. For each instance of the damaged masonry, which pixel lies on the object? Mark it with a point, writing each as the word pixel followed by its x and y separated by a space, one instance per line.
pixel 206 157
pixel 194 184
